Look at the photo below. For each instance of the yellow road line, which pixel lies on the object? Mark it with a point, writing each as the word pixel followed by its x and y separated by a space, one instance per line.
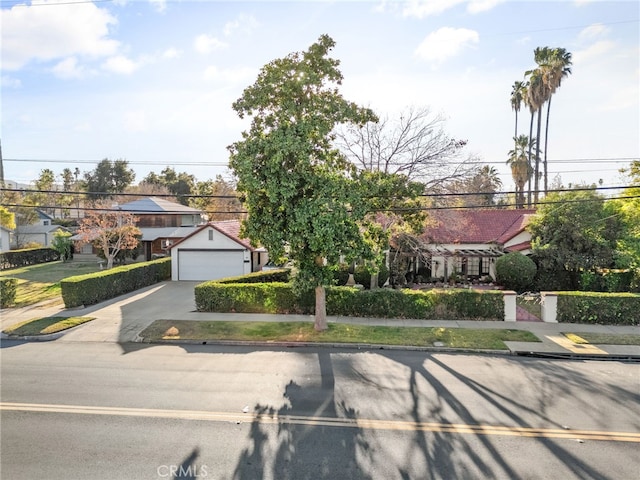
pixel 361 423
pixel 564 342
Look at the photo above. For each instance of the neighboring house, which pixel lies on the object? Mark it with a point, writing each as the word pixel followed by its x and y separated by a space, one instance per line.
pixel 467 242
pixel 162 223
pixel 215 250
pixel 5 238
pixel 42 231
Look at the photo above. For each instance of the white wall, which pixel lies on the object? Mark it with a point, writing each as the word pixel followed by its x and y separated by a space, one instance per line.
pixel 206 241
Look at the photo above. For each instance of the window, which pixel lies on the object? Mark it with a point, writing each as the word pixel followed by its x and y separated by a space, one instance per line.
pixel 210 234
pixel 473 266
pixel 484 265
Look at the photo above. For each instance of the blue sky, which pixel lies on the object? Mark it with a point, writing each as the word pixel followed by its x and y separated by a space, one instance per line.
pixel 153 81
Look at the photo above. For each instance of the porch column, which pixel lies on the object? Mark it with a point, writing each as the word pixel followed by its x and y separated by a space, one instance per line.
pixel 549 302
pixel 509 305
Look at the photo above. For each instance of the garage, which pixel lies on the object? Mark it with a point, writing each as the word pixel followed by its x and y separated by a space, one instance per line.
pixel 203 264
pixel 215 250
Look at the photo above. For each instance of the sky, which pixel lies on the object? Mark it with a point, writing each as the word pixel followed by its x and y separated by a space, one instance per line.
pixel 152 81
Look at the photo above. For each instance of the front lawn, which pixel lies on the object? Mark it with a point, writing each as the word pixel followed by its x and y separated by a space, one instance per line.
pixel 603 338
pixel 45 326
pixel 37 283
pixel 202 331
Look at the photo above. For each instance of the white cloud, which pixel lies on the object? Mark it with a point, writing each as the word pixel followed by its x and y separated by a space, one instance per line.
pixel 596 50
pixel 159 5
pixel 426 8
pixel 171 53
pixel 120 64
pixel 10 82
pixel 593 31
pixel 42 33
pixel 244 23
pixel 69 68
pixel 479 6
pixel 207 44
pixel 445 43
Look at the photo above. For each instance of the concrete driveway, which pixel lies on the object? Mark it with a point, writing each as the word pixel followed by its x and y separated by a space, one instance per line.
pixel 121 319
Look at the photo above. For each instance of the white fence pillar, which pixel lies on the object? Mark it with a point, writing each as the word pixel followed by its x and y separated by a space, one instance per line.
pixel 509 306
pixel 549 301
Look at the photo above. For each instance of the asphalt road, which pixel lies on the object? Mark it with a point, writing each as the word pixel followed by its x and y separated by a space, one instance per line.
pixel 90 411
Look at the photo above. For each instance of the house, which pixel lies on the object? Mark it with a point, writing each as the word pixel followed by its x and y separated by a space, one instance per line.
pixel 467 242
pixel 5 238
pixel 215 250
pixel 162 223
pixel 42 231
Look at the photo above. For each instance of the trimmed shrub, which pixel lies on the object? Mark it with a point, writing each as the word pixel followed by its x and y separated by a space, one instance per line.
pixel 515 271
pixel 275 297
pixel 8 287
pixel 600 308
pixel 280 298
pixel 27 256
pixel 97 287
pixel 266 276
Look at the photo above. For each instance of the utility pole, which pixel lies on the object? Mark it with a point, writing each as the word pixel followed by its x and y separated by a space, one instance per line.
pixel 1 167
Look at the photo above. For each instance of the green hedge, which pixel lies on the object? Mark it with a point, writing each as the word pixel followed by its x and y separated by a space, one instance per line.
pixel 279 298
pixel 265 276
pixel 601 308
pixel 8 288
pixel 27 256
pixel 96 287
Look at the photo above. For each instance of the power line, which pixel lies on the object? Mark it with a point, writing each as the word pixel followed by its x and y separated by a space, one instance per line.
pixel 390 210
pixel 236 196
pixel 225 164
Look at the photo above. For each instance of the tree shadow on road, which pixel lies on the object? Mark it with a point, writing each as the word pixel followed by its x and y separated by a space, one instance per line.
pixel 313 447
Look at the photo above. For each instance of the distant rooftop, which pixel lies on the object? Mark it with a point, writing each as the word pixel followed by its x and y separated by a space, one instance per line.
pixel 157 205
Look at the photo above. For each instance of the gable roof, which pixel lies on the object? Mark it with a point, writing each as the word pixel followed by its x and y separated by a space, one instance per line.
pixel 149 234
pixel 476 226
pixel 42 215
pixel 155 205
pixel 229 228
pixel 36 229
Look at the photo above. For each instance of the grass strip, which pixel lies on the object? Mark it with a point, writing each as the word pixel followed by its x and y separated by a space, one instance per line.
pixel 586 338
pixel 491 339
pixel 45 326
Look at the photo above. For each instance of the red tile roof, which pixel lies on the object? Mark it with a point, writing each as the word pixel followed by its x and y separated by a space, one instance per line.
pixel 475 226
pixel 231 228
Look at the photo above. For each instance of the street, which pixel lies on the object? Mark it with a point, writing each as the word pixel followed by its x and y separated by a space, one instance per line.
pixel 90 410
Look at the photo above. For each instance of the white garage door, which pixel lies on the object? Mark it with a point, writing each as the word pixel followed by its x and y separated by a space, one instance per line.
pixel 209 264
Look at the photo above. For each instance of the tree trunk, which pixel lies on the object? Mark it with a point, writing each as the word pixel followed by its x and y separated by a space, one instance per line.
pixel 321 309
pixel 546 137
pixel 536 180
pixel 110 261
pixel 529 159
pixel 374 281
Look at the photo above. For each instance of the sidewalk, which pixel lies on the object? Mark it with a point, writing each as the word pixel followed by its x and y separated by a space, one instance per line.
pixel 120 320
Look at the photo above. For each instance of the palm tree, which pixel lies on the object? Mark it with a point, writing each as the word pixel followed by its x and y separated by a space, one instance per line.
pixel 536 97
pixel 518 94
pixel 520 166
pixel 556 65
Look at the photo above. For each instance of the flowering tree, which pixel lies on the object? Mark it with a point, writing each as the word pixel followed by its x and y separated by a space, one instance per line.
pixel 110 231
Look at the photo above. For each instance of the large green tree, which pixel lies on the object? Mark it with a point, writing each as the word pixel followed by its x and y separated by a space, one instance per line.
pixel 628 207
pixel 108 179
pixel 179 184
pixel 575 231
pixel 301 194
